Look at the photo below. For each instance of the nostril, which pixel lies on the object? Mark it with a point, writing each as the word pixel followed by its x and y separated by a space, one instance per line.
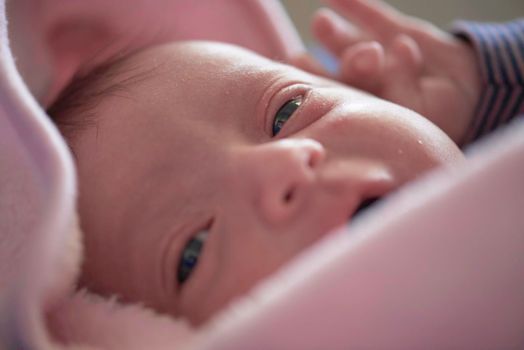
pixel 288 195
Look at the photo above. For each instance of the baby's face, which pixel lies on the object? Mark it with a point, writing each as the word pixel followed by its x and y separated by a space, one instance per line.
pixel 203 145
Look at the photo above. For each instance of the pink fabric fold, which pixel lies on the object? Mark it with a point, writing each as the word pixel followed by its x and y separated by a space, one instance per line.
pixel 55 39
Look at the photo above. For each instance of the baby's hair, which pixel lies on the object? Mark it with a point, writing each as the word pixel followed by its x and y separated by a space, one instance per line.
pixel 74 109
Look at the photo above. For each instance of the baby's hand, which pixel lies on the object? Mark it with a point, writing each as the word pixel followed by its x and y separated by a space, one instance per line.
pixel 401 59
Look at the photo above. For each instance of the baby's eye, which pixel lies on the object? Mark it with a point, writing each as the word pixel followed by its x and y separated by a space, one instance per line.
pixel 284 113
pixel 190 255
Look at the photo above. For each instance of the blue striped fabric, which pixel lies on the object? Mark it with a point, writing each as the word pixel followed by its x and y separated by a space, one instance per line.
pixel 500 49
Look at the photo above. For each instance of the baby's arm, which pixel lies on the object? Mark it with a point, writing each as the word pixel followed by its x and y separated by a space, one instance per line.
pixel 409 62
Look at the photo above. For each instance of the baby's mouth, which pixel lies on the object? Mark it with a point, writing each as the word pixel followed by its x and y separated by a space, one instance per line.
pixel 364 206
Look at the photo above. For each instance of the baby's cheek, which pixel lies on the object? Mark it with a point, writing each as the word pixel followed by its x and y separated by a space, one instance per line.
pixel 228 272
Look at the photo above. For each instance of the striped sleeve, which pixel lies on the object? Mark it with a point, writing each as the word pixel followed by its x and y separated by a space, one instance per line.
pixel 500 49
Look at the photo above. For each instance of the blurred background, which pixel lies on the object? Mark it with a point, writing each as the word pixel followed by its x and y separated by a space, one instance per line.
pixel 440 12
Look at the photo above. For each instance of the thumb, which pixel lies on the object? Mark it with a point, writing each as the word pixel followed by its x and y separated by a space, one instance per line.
pixel 402 74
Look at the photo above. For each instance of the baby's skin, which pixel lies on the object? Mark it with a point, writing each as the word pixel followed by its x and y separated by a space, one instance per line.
pixel 218 166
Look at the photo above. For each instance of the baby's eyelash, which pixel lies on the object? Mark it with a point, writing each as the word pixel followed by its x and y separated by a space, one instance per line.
pixel 284 113
pixel 190 255
pixel 283 104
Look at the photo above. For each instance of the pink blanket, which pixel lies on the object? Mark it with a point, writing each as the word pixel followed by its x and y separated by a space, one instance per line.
pixel 442 268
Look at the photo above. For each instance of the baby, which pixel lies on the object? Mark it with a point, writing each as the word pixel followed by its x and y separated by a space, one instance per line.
pixel 204 167
pixel 213 154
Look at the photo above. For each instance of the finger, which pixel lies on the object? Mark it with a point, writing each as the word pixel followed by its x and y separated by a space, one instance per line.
pixel 373 16
pixel 309 64
pixel 383 22
pixel 406 56
pixel 362 66
pixel 334 32
pixel 403 73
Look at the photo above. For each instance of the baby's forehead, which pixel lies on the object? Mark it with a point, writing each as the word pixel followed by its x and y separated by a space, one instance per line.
pixel 175 67
pixel 192 57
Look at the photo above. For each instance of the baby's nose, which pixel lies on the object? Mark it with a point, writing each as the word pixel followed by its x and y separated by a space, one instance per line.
pixel 282 173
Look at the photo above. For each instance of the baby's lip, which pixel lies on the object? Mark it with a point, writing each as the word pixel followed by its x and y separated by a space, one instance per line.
pixel 381 190
pixel 365 205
